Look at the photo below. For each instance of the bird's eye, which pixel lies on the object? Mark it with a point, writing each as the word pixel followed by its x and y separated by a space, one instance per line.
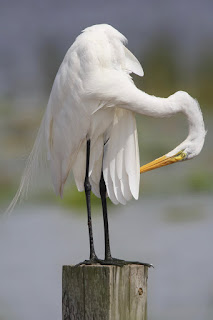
pixel 181 155
pixel 178 154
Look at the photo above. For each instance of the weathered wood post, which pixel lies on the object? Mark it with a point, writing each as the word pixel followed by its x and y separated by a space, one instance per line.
pixel 104 292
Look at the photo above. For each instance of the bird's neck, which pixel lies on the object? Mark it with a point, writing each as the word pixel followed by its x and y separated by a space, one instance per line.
pixel 182 102
pixel 191 109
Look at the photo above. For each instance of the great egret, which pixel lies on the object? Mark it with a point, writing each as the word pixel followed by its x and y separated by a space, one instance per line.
pixel 89 125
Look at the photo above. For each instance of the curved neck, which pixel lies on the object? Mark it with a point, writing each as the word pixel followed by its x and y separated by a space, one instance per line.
pixel 165 107
pixel 180 101
pixel 194 116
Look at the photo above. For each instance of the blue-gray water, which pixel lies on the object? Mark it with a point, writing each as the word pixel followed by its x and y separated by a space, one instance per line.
pixel 174 233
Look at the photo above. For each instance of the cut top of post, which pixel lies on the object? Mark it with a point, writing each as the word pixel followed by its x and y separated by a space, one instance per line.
pixel 105 292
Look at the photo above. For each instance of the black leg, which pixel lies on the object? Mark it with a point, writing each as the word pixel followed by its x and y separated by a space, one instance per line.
pixel 108 257
pixel 105 217
pixel 87 188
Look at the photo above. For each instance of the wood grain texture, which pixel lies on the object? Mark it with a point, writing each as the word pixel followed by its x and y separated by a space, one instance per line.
pixel 104 292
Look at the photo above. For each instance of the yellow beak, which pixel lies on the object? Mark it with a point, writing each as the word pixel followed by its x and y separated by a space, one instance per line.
pixel 163 161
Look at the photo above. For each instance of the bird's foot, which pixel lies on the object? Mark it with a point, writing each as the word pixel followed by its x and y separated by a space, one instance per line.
pixel 121 263
pixel 92 261
pixel 111 262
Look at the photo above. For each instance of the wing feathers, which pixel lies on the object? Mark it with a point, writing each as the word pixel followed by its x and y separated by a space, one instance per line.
pixel 121 158
pixel 96 153
pixel 79 167
pixel 131 160
pixel 109 185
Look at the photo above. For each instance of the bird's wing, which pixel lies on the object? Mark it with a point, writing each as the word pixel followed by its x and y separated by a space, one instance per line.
pixel 79 167
pixel 121 159
pixel 68 131
pixel 66 121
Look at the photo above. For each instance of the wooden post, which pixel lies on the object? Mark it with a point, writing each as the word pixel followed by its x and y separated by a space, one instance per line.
pixel 104 292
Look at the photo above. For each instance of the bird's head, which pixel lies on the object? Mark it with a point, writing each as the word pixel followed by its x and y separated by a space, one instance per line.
pixel 188 152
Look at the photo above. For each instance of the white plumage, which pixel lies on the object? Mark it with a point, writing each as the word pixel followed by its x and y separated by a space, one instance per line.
pixel 93 97
pixel 74 114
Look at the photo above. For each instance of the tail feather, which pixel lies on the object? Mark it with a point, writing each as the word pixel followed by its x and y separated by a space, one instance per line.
pixel 34 161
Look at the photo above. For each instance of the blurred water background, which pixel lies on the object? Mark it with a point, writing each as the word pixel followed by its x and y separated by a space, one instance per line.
pixel 171 225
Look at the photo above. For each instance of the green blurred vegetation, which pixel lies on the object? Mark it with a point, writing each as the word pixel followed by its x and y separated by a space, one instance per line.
pixel 165 73
pixel 184 214
pixel 74 199
pixel 161 69
pixel 200 181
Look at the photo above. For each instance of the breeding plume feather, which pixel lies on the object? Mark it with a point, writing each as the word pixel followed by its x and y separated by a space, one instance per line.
pixel 89 125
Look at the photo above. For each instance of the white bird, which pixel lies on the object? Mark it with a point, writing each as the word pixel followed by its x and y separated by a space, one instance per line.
pixel 89 125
